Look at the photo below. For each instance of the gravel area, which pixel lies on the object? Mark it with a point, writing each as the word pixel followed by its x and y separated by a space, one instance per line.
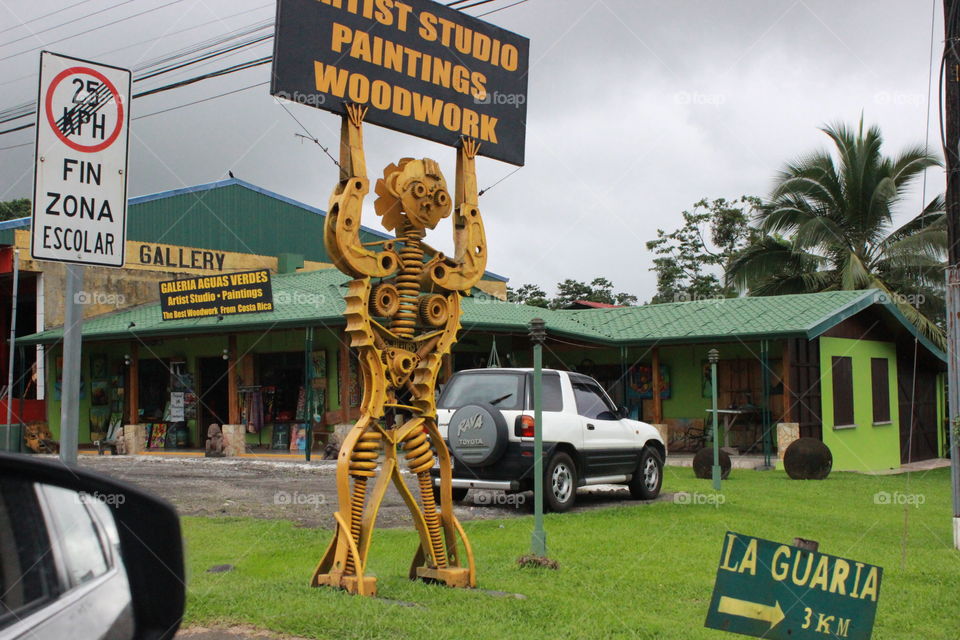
pixel 304 493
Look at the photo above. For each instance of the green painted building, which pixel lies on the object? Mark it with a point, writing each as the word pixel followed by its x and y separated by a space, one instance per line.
pixel 844 365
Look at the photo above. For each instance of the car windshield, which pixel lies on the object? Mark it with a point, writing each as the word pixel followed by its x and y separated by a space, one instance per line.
pixel 503 390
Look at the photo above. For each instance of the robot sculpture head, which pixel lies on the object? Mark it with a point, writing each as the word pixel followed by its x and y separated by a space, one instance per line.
pixel 416 191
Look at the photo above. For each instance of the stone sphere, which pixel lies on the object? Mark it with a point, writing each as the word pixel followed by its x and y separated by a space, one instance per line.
pixel 808 459
pixel 703 464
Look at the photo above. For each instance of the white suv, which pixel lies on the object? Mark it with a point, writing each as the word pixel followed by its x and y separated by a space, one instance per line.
pixel 486 418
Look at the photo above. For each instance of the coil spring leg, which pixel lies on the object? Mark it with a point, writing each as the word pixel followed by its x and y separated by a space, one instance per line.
pixel 420 460
pixel 411 256
pixel 363 464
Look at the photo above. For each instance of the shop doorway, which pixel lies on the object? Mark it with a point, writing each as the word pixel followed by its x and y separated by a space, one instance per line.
pixel 154 385
pixel 214 399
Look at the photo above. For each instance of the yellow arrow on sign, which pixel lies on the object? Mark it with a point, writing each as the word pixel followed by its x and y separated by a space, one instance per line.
pixel 754 611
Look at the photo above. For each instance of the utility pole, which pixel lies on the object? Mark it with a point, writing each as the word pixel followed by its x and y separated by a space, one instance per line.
pixel 951 152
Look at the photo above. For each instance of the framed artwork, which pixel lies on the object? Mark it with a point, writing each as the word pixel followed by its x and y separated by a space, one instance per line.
pixel 100 392
pixel 158 435
pixel 640 382
pixel 98 366
pixel 99 419
pixel 298 437
pixel 280 439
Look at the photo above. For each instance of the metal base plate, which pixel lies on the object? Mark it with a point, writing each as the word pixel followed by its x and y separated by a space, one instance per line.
pixel 350 584
pixel 452 577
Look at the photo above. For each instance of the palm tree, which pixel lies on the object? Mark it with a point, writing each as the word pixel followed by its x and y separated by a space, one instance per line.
pixel 828 225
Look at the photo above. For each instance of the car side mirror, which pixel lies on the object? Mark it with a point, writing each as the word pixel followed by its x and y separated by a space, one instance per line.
pixel 122 543
pixel 623 412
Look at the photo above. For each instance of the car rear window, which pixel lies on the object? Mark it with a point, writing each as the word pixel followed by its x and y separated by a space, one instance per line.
pixel 504 390
pixel 552 392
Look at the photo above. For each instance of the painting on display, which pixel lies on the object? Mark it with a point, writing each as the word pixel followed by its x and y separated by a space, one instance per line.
pixel 99 419
pixel 640 382
pixel 98 366
pixel 100 392
pixel 281 436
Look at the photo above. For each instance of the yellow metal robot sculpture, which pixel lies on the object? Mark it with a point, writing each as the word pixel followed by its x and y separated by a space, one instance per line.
pixel 402 316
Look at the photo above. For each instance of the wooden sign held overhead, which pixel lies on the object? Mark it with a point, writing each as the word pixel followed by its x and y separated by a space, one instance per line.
pixel 420 67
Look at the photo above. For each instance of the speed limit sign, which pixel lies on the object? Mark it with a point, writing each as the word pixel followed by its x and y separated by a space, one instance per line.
pixel 80 181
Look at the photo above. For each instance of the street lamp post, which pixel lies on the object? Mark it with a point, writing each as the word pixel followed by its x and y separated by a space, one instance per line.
pixel 713 355
pixel 538 334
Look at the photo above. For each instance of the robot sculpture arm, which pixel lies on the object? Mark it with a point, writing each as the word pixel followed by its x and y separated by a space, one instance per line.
pixel 469 240
pixel 341 234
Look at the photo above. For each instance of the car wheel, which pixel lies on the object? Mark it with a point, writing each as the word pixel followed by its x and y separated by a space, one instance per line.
pixel 648 479
pixel 560 483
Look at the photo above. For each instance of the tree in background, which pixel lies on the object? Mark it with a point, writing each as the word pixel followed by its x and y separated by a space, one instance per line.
pixel 829 225
pixel 569 291
pixel 692 261
pixel 13 209
pixel 529 294
pixel 599 290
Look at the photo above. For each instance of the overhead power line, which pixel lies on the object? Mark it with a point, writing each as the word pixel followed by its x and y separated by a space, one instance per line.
pixel 168 109
pixel 167 34
pixel 34 34
pixel 46 15
pixel 175 85
pixel 170 59
pixel 92 29
pixel 480 15
pixel 27 109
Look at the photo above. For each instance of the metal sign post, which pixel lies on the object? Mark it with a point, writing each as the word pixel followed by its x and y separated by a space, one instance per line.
pixel 538 541
pixel 70 391
pixel 13 339
pixel 79 195
pixel 714 356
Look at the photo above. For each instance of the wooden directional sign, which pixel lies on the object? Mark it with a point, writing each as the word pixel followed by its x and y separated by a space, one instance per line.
pixel 419 66
pixel 80 184
pixel 772 590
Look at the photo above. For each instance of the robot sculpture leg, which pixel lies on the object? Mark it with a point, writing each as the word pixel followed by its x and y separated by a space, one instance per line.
pixel 438 557
pixel 344 562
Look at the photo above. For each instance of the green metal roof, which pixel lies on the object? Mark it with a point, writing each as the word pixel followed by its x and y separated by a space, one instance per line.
pixel 316 298
pixel 720 317
pixel 231 215
pixel 227 215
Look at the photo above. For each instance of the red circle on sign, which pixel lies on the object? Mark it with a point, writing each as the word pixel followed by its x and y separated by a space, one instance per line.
pixel 53 123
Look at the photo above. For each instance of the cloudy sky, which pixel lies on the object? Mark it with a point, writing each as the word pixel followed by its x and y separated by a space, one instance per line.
pixel 637 109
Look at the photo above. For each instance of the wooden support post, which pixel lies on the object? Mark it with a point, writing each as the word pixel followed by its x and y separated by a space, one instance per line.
pixel 446 368
pixel 787 391
pixel 657 401
pixel 133 384
pixel 233 400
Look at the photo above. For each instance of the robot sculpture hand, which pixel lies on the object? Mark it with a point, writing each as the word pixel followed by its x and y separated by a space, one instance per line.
pixel 401 327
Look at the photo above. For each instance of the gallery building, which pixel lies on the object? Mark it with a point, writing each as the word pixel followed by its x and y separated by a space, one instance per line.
pixel 844 367
pixel 841 366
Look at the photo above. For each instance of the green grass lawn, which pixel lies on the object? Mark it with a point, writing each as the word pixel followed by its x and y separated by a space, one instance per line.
pixel 643 571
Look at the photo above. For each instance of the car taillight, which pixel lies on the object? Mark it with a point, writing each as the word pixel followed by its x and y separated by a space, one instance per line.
pixel 524 427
